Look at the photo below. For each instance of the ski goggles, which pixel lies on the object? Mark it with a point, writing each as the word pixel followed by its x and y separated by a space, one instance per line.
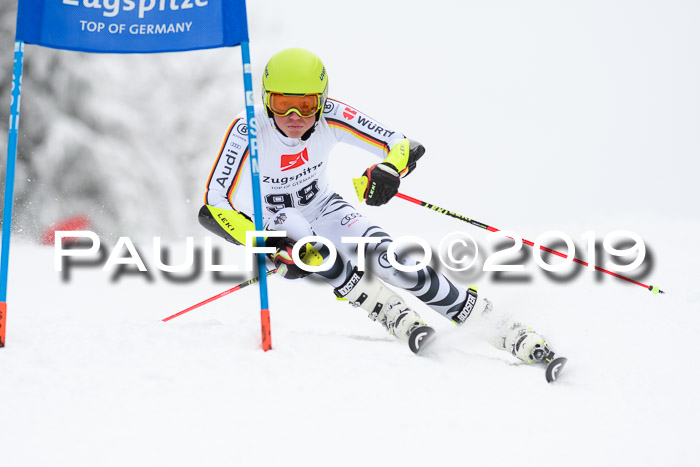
pixel 305 105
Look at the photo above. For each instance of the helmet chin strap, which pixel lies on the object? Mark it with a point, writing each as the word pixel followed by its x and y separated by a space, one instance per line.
pixel 306 135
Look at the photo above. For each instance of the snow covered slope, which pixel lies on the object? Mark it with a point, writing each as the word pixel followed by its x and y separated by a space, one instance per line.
pixel 91 376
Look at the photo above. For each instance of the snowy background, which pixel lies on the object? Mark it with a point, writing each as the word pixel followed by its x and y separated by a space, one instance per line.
pixel 536 115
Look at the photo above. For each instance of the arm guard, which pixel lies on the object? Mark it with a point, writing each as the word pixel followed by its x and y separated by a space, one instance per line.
pixel 226 223
pixel 415 152
pixel 404 155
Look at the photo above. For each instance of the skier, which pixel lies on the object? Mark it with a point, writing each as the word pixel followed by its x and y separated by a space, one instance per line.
pixel 297 126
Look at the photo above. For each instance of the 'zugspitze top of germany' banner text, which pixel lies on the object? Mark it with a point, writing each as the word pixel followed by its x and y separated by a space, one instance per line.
pixel 132 26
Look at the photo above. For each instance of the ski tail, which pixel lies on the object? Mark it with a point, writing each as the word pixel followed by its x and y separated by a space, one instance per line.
pixel 554 366
pixel 420 338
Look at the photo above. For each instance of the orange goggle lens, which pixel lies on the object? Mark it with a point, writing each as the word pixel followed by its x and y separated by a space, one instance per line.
pixel 283 104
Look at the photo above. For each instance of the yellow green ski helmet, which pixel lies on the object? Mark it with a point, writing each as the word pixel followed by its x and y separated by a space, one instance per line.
pixel 295 72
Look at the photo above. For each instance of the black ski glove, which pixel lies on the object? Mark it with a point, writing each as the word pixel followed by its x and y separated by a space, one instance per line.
pixel 284 262
pixel 282 258
pixel 378 184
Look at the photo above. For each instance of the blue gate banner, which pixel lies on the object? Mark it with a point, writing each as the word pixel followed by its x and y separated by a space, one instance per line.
pixel 132 26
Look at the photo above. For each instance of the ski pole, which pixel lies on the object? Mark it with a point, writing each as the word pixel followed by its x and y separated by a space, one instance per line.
pixel 653 288
pixel 222 294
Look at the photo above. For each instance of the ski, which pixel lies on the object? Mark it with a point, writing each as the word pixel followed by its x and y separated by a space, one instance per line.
pixel 420 338
pixel 423 336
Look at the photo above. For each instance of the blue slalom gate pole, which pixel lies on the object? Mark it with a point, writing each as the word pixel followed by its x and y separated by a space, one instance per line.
pixel 257 197
pixel 10 183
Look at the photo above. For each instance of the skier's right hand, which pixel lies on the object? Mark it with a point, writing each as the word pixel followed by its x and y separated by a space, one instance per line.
pixel 378 184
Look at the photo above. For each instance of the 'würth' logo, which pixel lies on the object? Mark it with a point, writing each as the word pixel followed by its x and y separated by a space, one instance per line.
pixel 349 113
pixel 292 161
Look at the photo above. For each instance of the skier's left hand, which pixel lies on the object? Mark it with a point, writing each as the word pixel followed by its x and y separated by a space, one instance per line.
pixel 378 184
pixel 285 264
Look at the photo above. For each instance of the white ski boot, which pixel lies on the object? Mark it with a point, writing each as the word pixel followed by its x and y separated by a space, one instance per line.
pixel 513 337
pixel 526 344
pixel 531 348
pixel 387 307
